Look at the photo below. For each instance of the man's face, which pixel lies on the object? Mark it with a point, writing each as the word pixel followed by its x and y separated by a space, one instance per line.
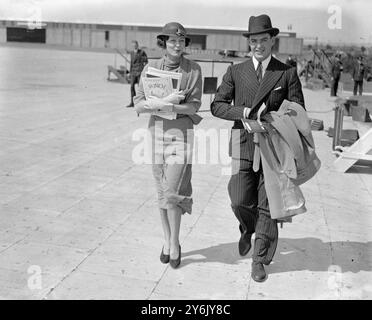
pixel 135 45
pixel 261 45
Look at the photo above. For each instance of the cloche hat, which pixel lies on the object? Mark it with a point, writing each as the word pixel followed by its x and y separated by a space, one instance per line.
pixel 174 29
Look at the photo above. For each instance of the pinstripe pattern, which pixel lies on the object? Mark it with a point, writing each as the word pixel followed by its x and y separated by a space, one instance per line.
pixel 239 89
pixel 251 208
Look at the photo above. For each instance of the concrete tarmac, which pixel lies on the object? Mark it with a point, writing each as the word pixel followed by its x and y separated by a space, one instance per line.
pixel 79 219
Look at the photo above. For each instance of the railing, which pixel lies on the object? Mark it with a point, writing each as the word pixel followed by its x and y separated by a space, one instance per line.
pixel 122 55
pixel 338 124
pixel 321 66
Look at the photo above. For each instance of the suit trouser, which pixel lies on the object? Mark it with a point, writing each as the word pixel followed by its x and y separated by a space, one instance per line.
pixel 334 86
pixel 133 80
pixel 251 207
pixel 358 84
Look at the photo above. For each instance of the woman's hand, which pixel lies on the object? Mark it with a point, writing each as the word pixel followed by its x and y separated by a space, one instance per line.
pixel 175 97
pixel 156 104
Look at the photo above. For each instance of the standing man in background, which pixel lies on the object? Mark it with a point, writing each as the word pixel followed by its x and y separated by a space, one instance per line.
pixel 358 75
pixel 138 60
pixel 291 62
pixel 336 69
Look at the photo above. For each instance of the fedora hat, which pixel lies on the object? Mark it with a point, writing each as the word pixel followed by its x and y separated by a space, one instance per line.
pixel 174 29
pixel 260 24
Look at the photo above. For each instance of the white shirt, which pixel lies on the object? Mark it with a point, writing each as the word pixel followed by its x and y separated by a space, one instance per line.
pixel 265 63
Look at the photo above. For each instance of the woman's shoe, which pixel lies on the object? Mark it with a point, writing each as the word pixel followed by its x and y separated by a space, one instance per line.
pixel 164 258
pixel 174 263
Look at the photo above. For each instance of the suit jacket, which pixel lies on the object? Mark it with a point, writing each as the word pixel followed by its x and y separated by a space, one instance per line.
pixel 191 84
pixel 240 88
pixel 358 71
pixel 138 60
pixel 288 159
pixel 336 68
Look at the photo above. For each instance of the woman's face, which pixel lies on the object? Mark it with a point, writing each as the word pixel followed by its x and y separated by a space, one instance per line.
pixel 175 46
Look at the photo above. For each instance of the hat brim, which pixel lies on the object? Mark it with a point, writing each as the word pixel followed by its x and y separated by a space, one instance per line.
pixel 159 36
pixel 272 31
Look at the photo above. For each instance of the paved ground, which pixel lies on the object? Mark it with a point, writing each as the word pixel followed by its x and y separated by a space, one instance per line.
pixel 78 218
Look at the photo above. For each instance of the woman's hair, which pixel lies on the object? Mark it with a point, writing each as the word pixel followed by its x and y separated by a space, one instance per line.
pixel 161 40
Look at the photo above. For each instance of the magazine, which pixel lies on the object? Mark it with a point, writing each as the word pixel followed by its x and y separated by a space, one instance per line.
pixel 157 87
pixel 175 76
pixel 161 83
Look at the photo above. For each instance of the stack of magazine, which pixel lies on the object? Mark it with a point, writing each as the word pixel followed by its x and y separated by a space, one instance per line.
pixel 160 83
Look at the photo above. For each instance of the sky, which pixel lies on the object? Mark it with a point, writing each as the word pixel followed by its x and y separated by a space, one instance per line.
pixel 337 21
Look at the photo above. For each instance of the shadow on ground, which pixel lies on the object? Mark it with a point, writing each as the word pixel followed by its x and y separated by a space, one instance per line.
pixel 361 167
pixel 295 255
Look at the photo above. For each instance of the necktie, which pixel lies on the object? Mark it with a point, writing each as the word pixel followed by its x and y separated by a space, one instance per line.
pixel 259 71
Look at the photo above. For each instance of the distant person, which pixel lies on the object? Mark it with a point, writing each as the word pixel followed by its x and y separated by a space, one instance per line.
pixel 138 60
pixel 336 70
pixel 307 69
pixel 358 75
pixel 173 139
pixel 291 62
pixel 260 81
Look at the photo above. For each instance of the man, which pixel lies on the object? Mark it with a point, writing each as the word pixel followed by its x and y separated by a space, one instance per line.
pixel 291 62
pixel 138 59
pixel 336 69
pixel 260 80
pixel 358 75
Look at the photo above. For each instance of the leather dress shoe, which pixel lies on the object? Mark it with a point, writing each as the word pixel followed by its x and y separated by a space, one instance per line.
pixel 258 272
pixel 174 263
pixel 245 243
pixel 164 258
pixel 130 105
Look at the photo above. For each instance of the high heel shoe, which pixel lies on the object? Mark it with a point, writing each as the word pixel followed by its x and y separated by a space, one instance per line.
pixel 174 263
pixel 164 258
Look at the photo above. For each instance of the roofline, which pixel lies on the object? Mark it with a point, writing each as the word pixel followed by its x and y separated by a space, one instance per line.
pixel 146 25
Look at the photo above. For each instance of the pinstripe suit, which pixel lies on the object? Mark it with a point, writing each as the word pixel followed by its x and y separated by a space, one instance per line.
pixel 239 89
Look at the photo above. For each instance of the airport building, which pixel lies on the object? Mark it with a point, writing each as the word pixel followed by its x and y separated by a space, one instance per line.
pixel 119 36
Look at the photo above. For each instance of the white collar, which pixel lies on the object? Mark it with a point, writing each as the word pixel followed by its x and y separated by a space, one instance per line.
pixel 265 63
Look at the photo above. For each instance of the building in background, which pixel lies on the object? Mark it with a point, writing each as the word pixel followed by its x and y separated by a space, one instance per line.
pixel 84 35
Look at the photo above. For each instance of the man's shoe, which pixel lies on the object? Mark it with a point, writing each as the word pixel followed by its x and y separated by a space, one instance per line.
pixel 130 105
pixel 258 272
pixel 245 243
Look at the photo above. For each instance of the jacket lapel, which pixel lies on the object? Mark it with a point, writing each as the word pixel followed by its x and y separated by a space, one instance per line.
pixel 271 77
pixel 249 80
pixel 184 69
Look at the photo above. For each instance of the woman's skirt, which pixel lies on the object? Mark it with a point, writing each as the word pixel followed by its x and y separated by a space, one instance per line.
pixel 172 145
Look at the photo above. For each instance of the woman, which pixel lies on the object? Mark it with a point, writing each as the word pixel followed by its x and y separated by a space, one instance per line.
pixel 172 140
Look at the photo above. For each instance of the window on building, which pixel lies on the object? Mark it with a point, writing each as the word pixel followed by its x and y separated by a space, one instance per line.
pixel 25 35
pixel 198 41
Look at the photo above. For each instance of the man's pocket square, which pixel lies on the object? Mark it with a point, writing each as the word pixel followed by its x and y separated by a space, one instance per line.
pixel 278 88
